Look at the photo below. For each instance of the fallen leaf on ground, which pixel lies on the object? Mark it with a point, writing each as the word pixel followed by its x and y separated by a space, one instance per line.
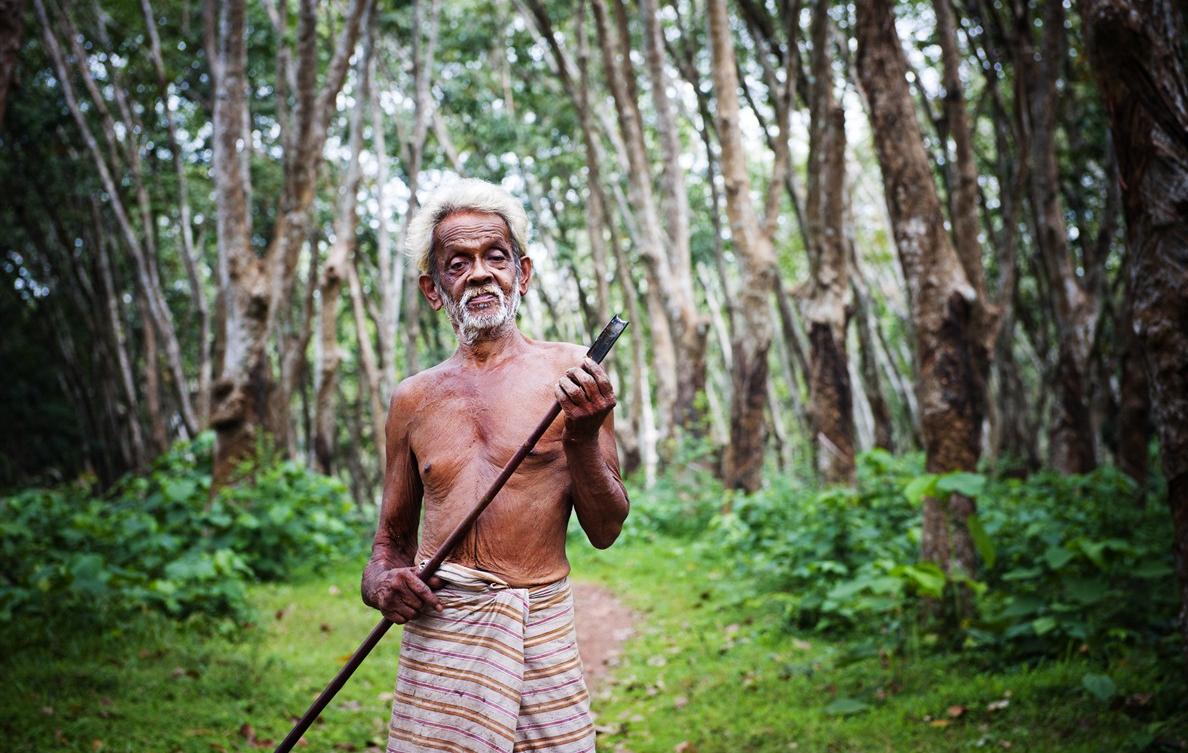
pixel 955 711
pixel 680 702
pixel 685 747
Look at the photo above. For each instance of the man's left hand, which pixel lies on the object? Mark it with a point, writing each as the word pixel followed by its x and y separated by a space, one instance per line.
pixel 586 396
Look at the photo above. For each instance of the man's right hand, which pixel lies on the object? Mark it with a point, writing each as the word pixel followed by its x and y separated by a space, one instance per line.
pixel 400 595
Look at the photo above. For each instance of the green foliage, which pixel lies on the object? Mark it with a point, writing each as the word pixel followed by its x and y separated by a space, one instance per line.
pixel 160 541
pixel 1066 562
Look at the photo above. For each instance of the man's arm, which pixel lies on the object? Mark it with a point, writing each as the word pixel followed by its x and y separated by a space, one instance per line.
pixel 390 582
pixel 601 503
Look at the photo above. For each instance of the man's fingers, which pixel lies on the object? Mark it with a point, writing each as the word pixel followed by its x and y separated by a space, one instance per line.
pixel 583 379
pixel 571 390
pixel 600 377
pixel 400 614
pixel 410 598
pixel 427 598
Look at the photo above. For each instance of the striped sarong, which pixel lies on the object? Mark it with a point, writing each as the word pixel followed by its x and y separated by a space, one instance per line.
pixel 498 670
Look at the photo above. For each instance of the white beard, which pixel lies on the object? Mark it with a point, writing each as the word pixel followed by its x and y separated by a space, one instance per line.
pixel 471 327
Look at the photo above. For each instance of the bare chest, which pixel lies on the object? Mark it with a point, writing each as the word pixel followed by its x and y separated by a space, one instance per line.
pixel 466 432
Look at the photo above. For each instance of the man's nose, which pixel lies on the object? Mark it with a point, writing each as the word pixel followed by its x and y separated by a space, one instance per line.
pixel 479 273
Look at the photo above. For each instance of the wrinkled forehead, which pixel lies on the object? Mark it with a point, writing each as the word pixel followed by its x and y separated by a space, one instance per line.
pixel 466 228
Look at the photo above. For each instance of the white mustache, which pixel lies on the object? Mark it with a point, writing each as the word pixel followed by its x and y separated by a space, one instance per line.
pixel 474 292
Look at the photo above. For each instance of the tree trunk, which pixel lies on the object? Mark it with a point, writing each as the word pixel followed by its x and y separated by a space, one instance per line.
pixel 189 253
pixel 256 287
pixel 1072 441
pixel 663 319
pixel 1135 47
pixel 826 308
pixel 743 463
pixel 674 205
pixel 884 434
pixel 338 268
pixel 950 354
pixel 1134 410
pixel 12 26
pixel 120 346
pixel 152 381
pixel 239 407
pixel 370 367
pixel 156 307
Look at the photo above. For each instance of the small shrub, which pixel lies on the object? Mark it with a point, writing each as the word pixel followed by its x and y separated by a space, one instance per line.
pixel 160 541
pixel 1067 562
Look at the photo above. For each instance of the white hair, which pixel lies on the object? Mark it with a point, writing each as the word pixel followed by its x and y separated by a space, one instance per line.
pixel 461 195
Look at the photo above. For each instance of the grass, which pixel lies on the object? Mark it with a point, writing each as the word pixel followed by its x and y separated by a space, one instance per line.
pixel 713 671
pixel 709 670
pixel 154 685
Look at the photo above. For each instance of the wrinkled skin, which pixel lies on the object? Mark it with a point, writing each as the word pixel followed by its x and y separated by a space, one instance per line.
pixel 452 428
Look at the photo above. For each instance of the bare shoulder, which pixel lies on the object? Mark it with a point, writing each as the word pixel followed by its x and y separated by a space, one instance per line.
pixel 561 354
pixel 412 390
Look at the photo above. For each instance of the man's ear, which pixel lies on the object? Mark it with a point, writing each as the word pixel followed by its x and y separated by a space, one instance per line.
pixel 525 273
pixel 429 290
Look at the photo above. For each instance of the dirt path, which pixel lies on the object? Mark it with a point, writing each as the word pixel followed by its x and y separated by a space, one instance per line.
pixel 603 624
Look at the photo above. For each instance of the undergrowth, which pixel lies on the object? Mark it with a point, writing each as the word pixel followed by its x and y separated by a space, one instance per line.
pixel 1067 564
pixel 160 541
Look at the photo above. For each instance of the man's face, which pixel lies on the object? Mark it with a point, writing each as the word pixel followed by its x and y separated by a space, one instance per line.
pixel 476 277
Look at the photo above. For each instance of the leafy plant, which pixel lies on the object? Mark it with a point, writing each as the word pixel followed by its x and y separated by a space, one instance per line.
pixel 160 541
pixel 1063 564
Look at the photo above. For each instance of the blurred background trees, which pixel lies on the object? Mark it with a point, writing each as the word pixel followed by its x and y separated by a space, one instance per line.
pixel 954 227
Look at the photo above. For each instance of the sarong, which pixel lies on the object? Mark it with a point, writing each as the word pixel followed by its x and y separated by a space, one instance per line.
pixel 497 671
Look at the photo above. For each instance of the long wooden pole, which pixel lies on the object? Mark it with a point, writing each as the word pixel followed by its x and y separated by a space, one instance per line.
pixel 597 352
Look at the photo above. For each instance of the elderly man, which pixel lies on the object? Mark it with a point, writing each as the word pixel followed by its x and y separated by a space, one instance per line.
pixel 489 662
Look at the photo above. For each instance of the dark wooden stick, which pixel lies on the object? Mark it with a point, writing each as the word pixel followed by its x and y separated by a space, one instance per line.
pixel 597 352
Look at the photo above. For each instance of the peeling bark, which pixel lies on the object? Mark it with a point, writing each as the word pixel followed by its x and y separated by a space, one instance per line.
pixel 1135 46
pixel 743 462
pixel 950 354
pixel 826 308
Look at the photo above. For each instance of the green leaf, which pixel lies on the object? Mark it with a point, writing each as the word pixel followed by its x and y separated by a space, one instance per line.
pixel 1101 686
pixel 1152 570
pixel 1086 590
pixel 927 577
pixel 1022 573
pixel 981 541
pixel 920 487
pixel 962 482
pixel 846 707
pixel 1057 557
pixel 1043 625
pixel 179 490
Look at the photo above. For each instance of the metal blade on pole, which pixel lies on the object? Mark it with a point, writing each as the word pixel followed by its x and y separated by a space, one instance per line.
pixel 597 352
